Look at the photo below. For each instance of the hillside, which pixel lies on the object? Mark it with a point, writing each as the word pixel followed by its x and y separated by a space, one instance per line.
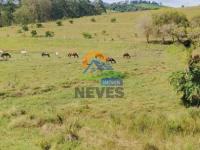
pixel 37 105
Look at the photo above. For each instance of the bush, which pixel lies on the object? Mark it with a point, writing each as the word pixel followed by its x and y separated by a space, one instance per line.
pixel 93 20
pixel 59 23
pixel 113 20
pixel 33 33
pixel 71 21
pixel 49 34
pixel 39 25
pixel 19 31
pixel 25 28
pixel 87 35
pixel 104 32
pixel 188 83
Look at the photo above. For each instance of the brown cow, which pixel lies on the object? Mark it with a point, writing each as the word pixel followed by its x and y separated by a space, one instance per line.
pixel 73 54
pixel 127 55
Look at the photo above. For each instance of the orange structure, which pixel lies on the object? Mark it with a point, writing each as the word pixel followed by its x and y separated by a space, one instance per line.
pixel 92 55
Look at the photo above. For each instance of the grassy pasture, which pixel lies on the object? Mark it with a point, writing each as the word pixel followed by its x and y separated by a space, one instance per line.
pixel 36 92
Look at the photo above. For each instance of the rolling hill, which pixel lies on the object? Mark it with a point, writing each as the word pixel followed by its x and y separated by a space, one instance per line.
pixel 37 105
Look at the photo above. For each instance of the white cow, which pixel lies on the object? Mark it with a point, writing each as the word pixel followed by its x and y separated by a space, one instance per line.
pixel 24 52
pixel 57 54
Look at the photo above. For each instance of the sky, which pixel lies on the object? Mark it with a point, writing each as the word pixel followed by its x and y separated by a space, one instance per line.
pixel 172 3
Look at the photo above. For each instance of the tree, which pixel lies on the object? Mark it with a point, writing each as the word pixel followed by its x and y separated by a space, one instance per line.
pixel 187 82
pixel 168 17
pixel 23 16
pixel 33 11
pixel 145 24
pixel 45 7
pixel 99 7
pixel 170 24
pixel 7 9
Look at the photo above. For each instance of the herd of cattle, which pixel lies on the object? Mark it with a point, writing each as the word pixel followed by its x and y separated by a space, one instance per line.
pixel 6 56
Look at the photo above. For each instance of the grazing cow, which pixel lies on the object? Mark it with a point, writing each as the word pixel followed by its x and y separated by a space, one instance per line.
pixel 24 52
pixel 1 51
pixel 111 60
pixel 45 54
pixel 127 55
pixel 74 54
pixel 5 56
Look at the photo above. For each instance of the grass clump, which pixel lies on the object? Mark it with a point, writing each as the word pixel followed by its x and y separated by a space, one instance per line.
pixel 59 23
pixel 104 32
pixel 13 112
pixel 149 146
pixel 49 34
pixel 25 28
pixel 39 25
pixel 23 122
pixel 33 33
pixel 113 20
pixel 87 35
pixel 93 20
pixel 71 21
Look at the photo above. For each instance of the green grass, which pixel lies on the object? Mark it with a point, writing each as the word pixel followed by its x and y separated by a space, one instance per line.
pixel 37 104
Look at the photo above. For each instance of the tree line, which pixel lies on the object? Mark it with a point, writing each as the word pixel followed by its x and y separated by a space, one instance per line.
pixel 128 6
pixel 30 11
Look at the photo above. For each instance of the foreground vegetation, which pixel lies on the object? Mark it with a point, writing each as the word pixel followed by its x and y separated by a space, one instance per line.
pixel 38 109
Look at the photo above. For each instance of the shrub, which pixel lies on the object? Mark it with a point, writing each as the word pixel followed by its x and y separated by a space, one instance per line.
pixel 49 34
pixel 71 21
pixel 19 31
pixel 104 32
pixel 188 83
pixel 33 33
pixel 39 25
pixel 93 20
pixel 113 20
pixel 25 28
pixel 87 35
pixel 59 23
